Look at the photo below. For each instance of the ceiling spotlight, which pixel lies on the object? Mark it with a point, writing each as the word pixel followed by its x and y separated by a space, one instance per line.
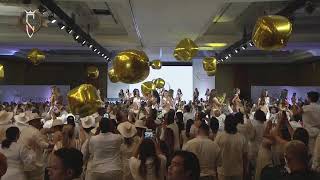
pixel 94 50
pixel 42 9
pixel 105 57
pixel 77 37
pixel 52 19
pixel 102 55
pixel 229 55
pixel 84 42
pixel 244 47
pixel 90 46
pixel 69 30
pixel 236 51
pixel 98 52
pixel 61 25
pixel 250 44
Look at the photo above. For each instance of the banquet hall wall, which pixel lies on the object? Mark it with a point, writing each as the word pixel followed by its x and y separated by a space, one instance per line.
pixel 227 77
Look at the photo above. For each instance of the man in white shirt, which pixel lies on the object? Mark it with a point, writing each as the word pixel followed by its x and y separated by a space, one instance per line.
pixel 310 118
pixel 207 151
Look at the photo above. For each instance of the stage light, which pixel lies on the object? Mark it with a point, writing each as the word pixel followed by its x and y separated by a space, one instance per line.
pixel 236 50
pixel 244 47
pixel 94 50
pixel 69 30
pixel 229 55
pixel 98 52
pixel 52 19
pixel 77 37
pixel 84 42
pixel 90 46
pixel 250 44
pixel 102 55
pixel 61 25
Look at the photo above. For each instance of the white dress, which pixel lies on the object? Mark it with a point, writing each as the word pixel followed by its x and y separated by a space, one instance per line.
pixel 17 156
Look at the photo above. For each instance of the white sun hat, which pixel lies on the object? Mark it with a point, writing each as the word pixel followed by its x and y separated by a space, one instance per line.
pixel 88 122
pixel 5 117
pixel 127 129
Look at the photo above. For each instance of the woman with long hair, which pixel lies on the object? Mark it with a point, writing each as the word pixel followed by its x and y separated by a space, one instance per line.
pixel 147 163
pixel 236 101
pixel 68 139
pixel 179 96
pixel 17 155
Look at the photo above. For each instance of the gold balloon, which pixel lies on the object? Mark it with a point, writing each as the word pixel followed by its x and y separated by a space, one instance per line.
pixel 35 56
pixel 112 76
pixel 156 64
pixel 185 50
pixel 84 100
pixel 147 87
pixel 211 73
pixel 209 64
pixel 159 83
pixel 131 66
pixel 1 71
pixel 271 32
pixel 93 72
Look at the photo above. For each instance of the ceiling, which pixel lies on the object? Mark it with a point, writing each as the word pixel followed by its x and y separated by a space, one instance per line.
pixel 156 26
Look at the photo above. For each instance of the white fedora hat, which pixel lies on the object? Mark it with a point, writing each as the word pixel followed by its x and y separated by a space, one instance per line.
pixel 140 124
pixel 57 122
pixel 127 129
pixel 5 117
pixel 21 118
pixel 88 122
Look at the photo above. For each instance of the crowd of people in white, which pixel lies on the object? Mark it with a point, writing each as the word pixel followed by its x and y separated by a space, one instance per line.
pixel 160 137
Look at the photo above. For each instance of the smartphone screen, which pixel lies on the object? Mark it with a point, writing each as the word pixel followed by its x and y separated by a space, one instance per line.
pixel 148 134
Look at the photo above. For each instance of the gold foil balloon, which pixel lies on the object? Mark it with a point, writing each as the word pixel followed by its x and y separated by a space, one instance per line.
pixel 147 87
pixel 93 72
pixel 84 100
pixel 131 66
pixel 1 71
pixel 209 64
pixel 211 73
pixel 159 83
pixel 271 32
pixel 185 50
pixel 156 64
pixel 112 76
pixel 35 56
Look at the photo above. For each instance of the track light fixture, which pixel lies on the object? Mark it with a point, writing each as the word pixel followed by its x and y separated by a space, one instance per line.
pixel 244 47
pixel 61 25
pixel 94 50
pixel 52 19
pixel 77 36
pixel 90 46
pixel 251 44
pixel 42 9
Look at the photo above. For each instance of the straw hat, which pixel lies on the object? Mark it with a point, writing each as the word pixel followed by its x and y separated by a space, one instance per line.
pixel 5 117
pixel 127 129
pixel 140 124
pixel 21 118
pixel 88 122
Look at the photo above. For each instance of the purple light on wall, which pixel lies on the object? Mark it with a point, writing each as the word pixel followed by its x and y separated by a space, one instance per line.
pixel 7 52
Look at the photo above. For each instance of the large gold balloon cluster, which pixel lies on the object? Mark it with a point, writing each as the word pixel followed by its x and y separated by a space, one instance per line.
pixel 35 56
pixel 148 86
pixel 130 66
pixel 84 100
pixel 271 32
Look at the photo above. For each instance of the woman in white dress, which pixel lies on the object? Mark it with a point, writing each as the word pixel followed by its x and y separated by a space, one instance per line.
pixel 179 96
pixel 17 155
pixel 167 102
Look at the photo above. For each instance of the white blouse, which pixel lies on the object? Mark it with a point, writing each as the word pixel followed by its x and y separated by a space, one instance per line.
pixel 134 164
pixel 17 156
